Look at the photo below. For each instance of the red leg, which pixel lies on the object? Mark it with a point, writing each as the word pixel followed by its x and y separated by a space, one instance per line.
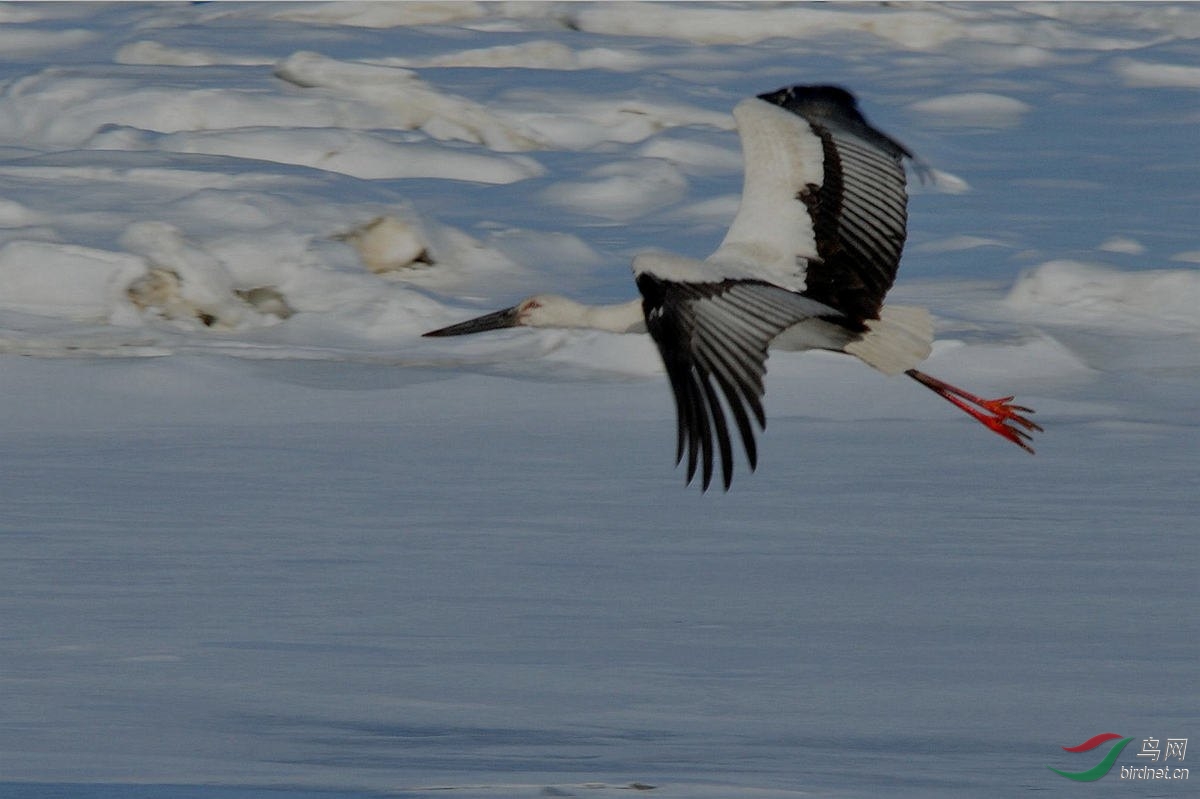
pixel 997 414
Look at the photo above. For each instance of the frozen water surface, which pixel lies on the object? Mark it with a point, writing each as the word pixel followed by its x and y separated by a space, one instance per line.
pixel 259 539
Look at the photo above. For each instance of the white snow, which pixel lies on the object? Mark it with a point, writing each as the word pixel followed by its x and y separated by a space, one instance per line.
pixel 974 109
pixel 361 155
pixel 1190 256
pixel 1122 244
pixel 958 244
pixel 381 15
pixel 258 536
pixel 66 281
pixel 150 52
pixel 25 43
pixel 1145 74
pixel 404 101
pixel 1101 296
pixel 710 24
pixel 621 190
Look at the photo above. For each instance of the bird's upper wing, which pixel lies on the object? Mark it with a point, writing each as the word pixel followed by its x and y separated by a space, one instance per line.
pixel 713 338
pixel 824 206
pixel 818 234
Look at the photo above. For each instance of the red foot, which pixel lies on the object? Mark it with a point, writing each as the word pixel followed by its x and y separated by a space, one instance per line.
pixel 998 415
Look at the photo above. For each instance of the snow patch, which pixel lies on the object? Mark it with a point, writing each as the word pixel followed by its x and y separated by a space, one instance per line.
pixel 1122 244
pixel 1065 291
pixel 409 102
pixel 66 110
pixel 63 280
pixel 621 190
pixel 958 244
pixel 23 42
pixel 186 283
pixel 708 24
pixel 386 244
pixel 582 122
pixel 1187 256
pixel 538 54
pixel 382 15
pixel 349 152
pixel 972 109
pixel 1151 75
pixel 697 158
pixel 151 53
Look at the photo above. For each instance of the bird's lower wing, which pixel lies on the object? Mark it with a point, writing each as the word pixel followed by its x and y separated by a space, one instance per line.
pixel 713 338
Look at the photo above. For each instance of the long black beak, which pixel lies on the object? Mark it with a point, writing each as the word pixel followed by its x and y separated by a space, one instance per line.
pixel 497 320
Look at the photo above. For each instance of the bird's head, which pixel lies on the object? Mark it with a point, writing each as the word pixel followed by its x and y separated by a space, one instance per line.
pixel 540 310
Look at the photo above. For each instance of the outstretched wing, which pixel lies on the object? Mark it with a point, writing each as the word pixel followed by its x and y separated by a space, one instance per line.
pixel 818 236
pixel 713 338
pixel 824 205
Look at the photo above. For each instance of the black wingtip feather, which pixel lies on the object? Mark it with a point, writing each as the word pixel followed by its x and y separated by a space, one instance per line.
pixel 713 338
pixel 722 433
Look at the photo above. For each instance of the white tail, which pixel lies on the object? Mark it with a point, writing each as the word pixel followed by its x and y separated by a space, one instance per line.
pixel 898 340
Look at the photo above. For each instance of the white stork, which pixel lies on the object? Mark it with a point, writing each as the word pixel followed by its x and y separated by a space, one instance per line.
pixel 811 253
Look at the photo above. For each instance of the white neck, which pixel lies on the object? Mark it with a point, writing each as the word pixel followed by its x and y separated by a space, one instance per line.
pixel 626 317
pixel 561 312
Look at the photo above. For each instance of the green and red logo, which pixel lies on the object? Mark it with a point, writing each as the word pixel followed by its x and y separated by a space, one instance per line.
pixel 1104 766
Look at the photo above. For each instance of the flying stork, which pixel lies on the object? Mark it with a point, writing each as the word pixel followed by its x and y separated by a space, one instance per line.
pixel 806 264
